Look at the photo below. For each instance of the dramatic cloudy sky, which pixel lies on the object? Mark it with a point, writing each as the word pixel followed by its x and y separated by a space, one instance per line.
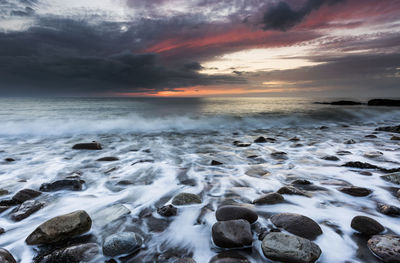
pixel 200 47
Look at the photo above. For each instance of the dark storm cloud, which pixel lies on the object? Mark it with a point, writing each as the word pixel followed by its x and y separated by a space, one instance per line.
pixel 283 17
pixel 66 56
pixel 356 75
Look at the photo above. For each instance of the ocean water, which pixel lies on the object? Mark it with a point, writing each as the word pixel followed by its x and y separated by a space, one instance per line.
pixel 165 146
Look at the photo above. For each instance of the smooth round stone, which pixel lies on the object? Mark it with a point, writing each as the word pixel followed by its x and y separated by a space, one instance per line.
pixel 232 233
pixel 287 248
pixel 229 257
pixel 167 210
pixel 122 243
pixel 297 224
pixel 385 247
pixel 269 199
pixel 366 225
pixel 355 191
pixel 233 212
pixel 6 257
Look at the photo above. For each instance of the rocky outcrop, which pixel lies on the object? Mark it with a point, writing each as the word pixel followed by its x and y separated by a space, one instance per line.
pixel 287 248
pixel 60 228
pixel 384 102
pixel 26 209
pixel 232 233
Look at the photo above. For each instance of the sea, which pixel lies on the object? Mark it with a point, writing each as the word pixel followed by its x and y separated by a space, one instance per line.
pixel 165 147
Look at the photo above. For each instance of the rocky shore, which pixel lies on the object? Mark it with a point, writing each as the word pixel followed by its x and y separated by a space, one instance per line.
pixel 201 211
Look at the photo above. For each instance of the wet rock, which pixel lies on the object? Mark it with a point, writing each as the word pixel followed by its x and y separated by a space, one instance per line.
pixel 232 233
pixel 260 139
pixel 26 209
pixel 351 141
pixel 296 224
pixel 3 192
pixel 6 257
pixel 67 184
pixel 386 247
pixel 355 191
pixel 384 102
pixel 73 254
pixel 9 160
pixel 393 178
pixel 302 182
pixel 371 136
pixel 186 199
pixel 269 199
pixel 360 165
pixel 373 155
pixel 343 153
pixel 3 208
pixel 294 139
pixel 324 128
pixel 366 225
pixel 389 210
pixel 257 171
pixel 291 190
pixel 25 195
pixel 167 211
pixel 185 260
pixel 288 248
pixel 229 257
pixel 395 129
pixel 110 214
pixel 122 244
pixel 107 159
pixel 279 155
pixel 2 231
pixel 233 212
pixel 330 158
pixel 342 103
pixel 365 173
pixel 395 138
pixel 242 144
pixel 214 162
pixel 60 228
pixel 87 146
pixel 156 225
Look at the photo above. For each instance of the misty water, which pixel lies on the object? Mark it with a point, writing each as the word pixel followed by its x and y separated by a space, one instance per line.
pixel 165 147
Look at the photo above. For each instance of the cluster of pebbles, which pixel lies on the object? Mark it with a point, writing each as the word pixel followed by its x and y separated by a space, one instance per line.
pixel 289 237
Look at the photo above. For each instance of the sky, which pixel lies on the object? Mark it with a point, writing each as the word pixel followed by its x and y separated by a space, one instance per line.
pixel 337 48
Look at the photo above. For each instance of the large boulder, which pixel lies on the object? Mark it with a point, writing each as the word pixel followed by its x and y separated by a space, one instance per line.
pixel 299 225
pixel 66 184
pixel 186 199
pixel 6 257
pixel 269 199
pixel 385 247
pixel 122 244
pixel 384 102
pixel 87 146
pixel 232 233
pixel 73 254
pixel 287 248
pixel 26 209
pixel 60 228
pixel 233 212
pixel 366 225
